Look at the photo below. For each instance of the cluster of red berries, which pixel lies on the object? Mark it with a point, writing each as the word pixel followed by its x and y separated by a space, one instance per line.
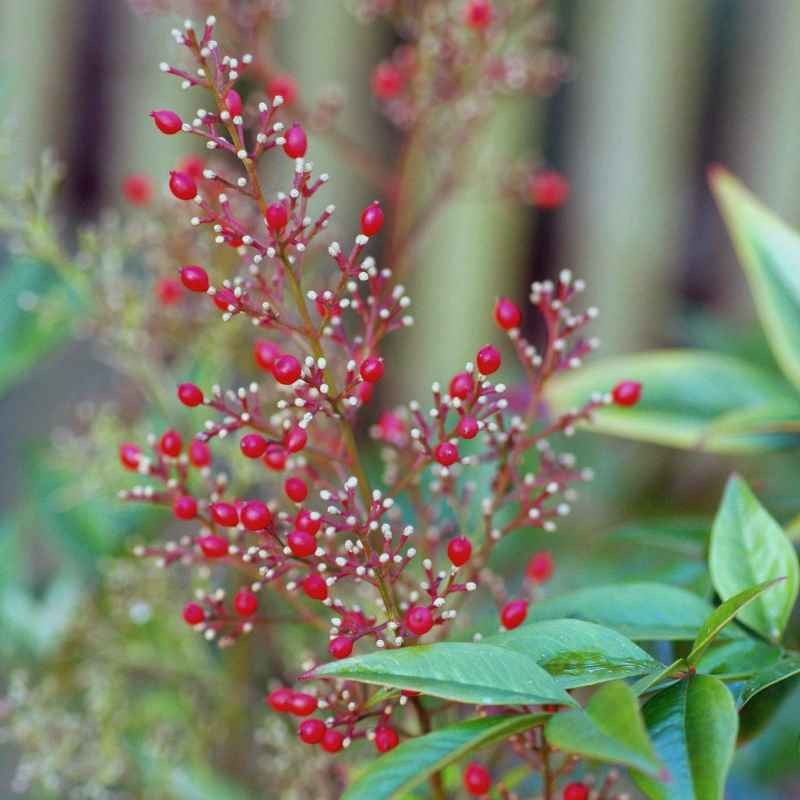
pixel 327 528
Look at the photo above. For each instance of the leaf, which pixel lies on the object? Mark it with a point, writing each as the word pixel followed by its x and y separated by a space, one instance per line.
pixel 466 672
pixel 610 730
pixel 640 611
pixel 748 547
pixel 410 764
pixel 577 653
pixel 692 725
pixel 739 658
pixel 27 335
pixel 686 394
pixel 721 616
pixel 769 252
pixel 780 671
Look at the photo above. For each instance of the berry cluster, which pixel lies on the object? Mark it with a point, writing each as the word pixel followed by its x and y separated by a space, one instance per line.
pixel 344 554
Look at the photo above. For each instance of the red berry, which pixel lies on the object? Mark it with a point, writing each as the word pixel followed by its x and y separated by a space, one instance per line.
pixel 446 453
pixel 296 142
pixel 548 190
pixel 277 216
pixel 213 546
pixel 387 81
pixel 540 567
pixel 296 439
pixel 170 443
pixel 168 291
pixel 233 102
pixel 190 395
pixel 386 739
pixel 166 121
pixel 224 298
pixel 459 550
pixel 225 514
pixel 245 603
pixel 477 780
pixel 332 741
pixel 627 393
pixel 194 278
pixel 311 731
pixel 372 369
pixel 461 385
pixel 513 614
pixel 255 515
pixel 364 392
pixel 280 700
pixel 315 587
pixel 296 489
pixel 185 507
pixel 372 219
pixel 391 429
pixel 507 314
pixel 253 445
pixel 284 86
pixel 265 353
pixel 488 359
pixel 286 369
pixel 419 620
pixel 129 455
pixel 306 521
pixel 137 189
pixel 576 791
pixel 302 544
pixel 182 185
pixel 467 427
pixel 302 704
pixel 193 166
pixel 199 453
pixel 340 647
pixel 478 13
pixel 275 457
pixel 193 614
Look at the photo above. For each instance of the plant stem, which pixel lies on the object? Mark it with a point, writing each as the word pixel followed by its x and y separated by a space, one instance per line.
pixel 437 785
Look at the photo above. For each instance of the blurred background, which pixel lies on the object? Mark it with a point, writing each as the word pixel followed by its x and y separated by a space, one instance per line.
pixel 657 91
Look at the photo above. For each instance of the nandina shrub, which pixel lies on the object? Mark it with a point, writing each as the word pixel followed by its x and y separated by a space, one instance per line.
pixel 379 569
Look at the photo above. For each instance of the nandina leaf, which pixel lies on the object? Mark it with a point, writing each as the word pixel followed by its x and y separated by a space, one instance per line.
pixel 692 725
pixel 769 252
pixel 577 653
pixel 409 764
pixel 687 401
pixel 748 547
pixel 640 611
pixel 466 672
pixel 611 729
pixel 721 616
pixel 779 671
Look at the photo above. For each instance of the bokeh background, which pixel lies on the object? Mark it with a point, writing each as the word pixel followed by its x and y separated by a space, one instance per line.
pixel 657 91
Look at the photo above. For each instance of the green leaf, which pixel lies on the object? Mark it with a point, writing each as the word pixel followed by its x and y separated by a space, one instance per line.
pixel 722 616
pixel 692 725
pixel 37 315
pixel 466 672
pixel 769 252
pixel 687 396
pixel 610 730
pixel 780 671
pixel 640 611
pixel 740 658
pixel 410 764
pixel 577 653
pixel 748 547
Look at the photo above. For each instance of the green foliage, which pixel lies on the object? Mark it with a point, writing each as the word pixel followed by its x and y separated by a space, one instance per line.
pixel 484 674
pixel 748 547
pixel 693 728
pixel 640 611
pixel 412 762
pixel 610 729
